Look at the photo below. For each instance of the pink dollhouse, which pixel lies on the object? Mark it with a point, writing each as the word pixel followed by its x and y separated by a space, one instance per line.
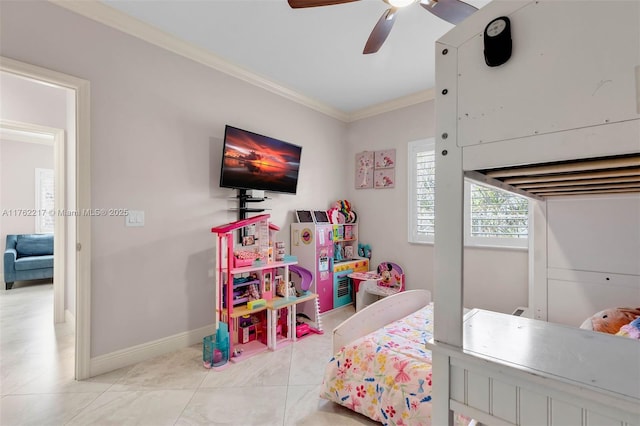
pixel 246 299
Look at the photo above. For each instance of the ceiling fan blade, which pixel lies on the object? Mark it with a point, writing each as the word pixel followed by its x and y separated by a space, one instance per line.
pixel 452 11
pixel 380 31
pixel 297 4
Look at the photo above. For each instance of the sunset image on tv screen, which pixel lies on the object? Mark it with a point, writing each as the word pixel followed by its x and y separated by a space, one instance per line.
pixel 253 161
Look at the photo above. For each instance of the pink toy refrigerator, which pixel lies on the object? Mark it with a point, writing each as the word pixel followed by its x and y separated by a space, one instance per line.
pixel 313 245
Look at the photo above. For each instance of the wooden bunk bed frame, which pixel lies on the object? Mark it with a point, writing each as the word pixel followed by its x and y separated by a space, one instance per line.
pixel 560 118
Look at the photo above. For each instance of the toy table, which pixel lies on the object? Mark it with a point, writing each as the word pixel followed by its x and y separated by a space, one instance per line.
pixel 362 282
pixel 358 277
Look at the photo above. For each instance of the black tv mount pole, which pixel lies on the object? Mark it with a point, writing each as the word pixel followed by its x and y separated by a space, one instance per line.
pixel 243 200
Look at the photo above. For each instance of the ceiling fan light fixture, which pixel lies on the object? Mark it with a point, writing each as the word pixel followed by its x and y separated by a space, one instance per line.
pixel 400 3
pixel 430 3
pixel 452 11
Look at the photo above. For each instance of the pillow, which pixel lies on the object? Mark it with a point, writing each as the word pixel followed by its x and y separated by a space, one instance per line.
pixel 610 320
pixel 34 245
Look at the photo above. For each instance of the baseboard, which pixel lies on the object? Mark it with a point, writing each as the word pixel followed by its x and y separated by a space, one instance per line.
pixel 135 354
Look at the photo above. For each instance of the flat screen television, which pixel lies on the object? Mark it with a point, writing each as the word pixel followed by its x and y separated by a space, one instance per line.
pixel 253 161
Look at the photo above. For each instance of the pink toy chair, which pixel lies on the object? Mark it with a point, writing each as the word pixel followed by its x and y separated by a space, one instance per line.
pixel 392 276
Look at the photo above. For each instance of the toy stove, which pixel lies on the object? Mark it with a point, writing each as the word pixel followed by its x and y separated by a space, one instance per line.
pixel 342 284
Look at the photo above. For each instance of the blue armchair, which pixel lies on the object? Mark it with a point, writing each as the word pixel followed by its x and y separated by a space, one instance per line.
pixel 28 257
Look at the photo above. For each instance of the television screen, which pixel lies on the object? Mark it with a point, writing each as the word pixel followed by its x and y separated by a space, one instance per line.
pixel 253 161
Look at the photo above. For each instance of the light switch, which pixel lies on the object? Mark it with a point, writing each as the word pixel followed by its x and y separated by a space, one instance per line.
pixel 135 218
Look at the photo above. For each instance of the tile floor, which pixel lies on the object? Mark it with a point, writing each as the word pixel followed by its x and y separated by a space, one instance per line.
pixel 37 385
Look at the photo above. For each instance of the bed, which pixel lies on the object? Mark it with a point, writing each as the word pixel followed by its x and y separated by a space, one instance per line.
pixel 567 103
pixel 381 367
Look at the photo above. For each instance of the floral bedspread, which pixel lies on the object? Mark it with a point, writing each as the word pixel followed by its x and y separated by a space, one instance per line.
pixel 386 375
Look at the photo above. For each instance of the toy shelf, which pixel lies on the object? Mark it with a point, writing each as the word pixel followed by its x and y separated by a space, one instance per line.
pixel 283 302
pixel 272 265
pixel 236 286
pixel 236 302
pixel 245 283
pixel 274 304
pixel 241 310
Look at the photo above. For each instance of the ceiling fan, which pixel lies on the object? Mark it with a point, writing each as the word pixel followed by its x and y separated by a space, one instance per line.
pixel 452 11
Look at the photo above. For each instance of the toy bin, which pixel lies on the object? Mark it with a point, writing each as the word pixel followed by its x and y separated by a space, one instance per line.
pixel 214 353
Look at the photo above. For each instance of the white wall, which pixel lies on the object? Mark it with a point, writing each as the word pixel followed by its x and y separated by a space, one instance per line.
pixel 382 213
pixel 383 218
pixel 18 161
pixel 157 122
pixel 495 279
pixel 26 101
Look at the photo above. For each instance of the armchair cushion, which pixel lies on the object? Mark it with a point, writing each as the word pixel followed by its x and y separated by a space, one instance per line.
pixel 34 262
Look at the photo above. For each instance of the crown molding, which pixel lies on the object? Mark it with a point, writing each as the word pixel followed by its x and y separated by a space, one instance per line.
pixel 116 19
pixel 394 104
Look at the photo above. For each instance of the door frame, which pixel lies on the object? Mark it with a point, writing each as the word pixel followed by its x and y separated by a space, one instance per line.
pixel 82 147
pixel 26 132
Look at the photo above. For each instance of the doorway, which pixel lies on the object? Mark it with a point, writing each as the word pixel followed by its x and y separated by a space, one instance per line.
pixel 73 165
pixel 13 131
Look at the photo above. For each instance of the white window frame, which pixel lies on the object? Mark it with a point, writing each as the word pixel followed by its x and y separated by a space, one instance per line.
pixel 422 145
pixel 413 149
pixel 45 201
pixel 471 241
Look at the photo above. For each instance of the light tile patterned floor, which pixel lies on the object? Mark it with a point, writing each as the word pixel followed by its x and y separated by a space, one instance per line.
pixel 37 386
